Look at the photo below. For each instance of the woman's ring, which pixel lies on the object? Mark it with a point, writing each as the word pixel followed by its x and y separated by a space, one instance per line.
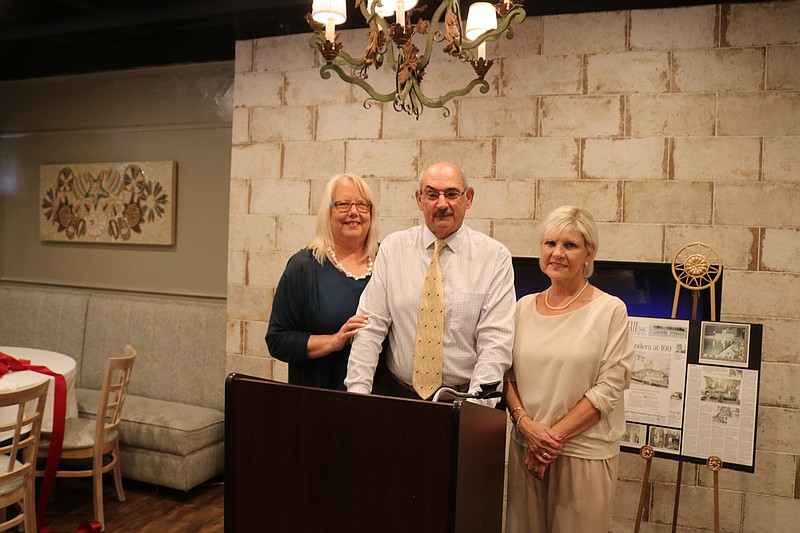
pixel 545 455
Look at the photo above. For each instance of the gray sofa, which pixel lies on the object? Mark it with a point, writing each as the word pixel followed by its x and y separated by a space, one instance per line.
pixel 172 432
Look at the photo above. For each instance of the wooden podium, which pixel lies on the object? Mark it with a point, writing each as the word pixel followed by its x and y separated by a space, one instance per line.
pixel 305 460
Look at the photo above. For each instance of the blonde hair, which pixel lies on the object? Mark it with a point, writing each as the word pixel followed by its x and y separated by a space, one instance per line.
pixel 324 238
pixel 566 218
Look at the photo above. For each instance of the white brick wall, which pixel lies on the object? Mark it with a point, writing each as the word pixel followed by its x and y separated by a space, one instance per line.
pixel 674 29
pixel 628 72
pixel 670 125
pixel 783 72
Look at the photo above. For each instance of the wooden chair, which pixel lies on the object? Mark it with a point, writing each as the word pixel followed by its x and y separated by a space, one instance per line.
pixel 98 439
pixel 18 455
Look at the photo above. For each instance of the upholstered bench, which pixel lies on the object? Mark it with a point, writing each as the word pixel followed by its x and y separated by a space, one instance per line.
pixel 165 443
pixel 46 318
pixel 172 433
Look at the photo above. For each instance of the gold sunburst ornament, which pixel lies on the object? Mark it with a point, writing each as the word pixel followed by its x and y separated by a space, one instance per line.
pixel 647 452
pixel 696 266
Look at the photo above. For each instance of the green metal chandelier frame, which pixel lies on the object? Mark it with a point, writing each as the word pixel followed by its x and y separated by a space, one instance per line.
pixel 392 44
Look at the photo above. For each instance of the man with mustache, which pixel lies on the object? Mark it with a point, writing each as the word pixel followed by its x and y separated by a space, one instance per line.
pixel 478 308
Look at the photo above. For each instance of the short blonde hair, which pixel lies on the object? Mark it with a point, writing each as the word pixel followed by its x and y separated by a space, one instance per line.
pixel 324 238
pixel 570 217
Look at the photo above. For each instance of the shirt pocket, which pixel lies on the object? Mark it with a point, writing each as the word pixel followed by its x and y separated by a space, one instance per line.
pixel 463 309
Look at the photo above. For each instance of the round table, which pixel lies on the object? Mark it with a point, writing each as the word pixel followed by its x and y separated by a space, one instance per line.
pixel 57 362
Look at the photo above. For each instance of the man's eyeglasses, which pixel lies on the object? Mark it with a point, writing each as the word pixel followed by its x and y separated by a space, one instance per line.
pixel 451 195
pixel 344 207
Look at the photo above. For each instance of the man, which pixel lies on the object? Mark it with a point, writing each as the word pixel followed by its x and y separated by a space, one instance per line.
pixel 479 299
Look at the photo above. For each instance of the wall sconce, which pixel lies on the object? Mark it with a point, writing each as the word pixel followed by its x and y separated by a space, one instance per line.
pixel 392 43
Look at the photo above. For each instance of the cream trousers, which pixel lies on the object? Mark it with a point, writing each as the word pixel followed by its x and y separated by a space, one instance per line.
pixel 576 495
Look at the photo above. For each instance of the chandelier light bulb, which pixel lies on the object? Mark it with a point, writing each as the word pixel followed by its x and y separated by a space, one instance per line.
pixel 388 8
pixel 481 18
pixel 400 11
pixel 329 13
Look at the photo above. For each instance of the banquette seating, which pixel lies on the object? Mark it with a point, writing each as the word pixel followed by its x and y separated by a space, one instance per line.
pixel 172 428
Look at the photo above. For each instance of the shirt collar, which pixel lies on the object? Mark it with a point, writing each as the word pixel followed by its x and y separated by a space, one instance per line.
pixel 455 241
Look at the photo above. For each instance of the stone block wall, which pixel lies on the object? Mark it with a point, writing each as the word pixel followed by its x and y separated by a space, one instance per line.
pixel 671 126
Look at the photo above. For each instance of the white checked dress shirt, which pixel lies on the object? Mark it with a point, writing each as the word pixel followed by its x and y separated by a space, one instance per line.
pixel 479 306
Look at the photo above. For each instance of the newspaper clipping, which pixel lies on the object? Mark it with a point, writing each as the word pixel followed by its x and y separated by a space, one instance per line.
pixel 659 371
pixel 721 413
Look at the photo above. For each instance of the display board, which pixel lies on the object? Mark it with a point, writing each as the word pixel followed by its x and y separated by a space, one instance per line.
pixel 694 390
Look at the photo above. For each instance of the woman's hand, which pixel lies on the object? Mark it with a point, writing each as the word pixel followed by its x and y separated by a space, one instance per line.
pixel 322 345
pixel 543 443
pixel 346 333
pixel 533 465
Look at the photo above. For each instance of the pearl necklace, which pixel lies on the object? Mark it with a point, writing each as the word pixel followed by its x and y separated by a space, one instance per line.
pixel 560 307
pixel 344 271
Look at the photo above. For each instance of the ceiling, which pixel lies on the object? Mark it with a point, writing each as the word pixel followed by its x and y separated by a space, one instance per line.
pixel 52 37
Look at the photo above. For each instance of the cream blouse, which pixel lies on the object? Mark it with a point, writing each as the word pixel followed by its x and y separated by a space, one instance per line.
pixel 559 359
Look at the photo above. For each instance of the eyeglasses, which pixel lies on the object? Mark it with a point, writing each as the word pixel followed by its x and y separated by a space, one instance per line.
pixel 451 195
pixel 344 207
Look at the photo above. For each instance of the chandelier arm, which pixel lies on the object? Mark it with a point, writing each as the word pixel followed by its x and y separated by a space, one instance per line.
pixel 346 59
pixel 414 101
pixel 401 94
pixel 316 39
pixel 442 100
pixel 342 57
pixel 366 13
pixel 372 17
pixel 437 16
pixel 375 95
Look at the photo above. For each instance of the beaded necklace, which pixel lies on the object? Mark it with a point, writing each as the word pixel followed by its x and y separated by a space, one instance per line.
pixel 344 271
pixel 560 307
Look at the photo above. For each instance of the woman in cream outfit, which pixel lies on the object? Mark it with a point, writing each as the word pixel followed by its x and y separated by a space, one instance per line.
pixel 565 392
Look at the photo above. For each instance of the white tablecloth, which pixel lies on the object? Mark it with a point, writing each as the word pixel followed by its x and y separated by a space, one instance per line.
pixel 57 362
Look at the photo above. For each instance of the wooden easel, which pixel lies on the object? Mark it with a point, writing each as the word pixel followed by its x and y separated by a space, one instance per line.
pixel 647 452
pixel 714 464
pixel 696 266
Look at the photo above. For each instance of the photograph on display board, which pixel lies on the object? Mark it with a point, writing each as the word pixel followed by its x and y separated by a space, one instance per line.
pixel 667 440
pixel 722 389
pixel 635 435
pixel 725 344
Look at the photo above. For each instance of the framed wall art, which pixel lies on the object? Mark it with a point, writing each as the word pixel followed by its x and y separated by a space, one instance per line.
pixel 119 203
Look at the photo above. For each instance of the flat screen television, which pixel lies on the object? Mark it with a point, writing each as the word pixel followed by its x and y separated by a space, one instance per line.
pixel 648 289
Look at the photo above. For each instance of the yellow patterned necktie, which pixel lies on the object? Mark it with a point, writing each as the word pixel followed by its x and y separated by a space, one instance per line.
pixel 427 369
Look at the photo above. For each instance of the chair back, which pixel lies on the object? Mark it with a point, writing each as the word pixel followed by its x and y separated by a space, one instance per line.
pixel 20 441
pixel 112 396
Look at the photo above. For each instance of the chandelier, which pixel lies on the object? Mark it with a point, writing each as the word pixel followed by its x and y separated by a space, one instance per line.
pixel 393 44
